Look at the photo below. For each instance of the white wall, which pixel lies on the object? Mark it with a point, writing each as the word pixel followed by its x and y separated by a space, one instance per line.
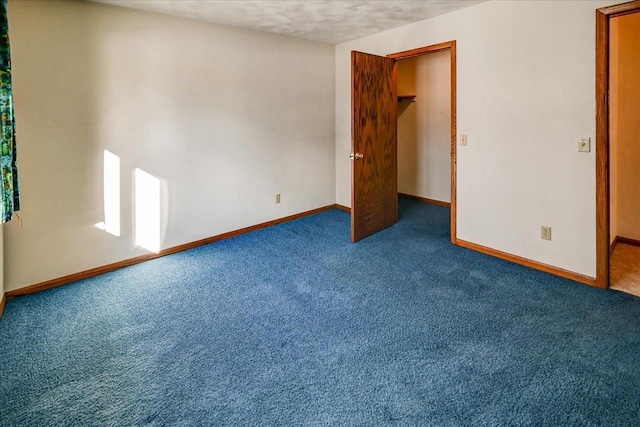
pixel 526 92
pixel 424 127
pixel 624 120
pixel 225 118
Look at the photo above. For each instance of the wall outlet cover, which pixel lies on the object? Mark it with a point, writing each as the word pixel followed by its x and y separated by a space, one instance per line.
pixel 545 233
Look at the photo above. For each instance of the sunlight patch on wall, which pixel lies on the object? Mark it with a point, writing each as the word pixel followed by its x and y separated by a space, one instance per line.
pixel 111 192
pixel 147 210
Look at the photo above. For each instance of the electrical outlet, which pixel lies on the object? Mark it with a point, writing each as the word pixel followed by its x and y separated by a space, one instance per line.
pixel 278 198
pixel 545 233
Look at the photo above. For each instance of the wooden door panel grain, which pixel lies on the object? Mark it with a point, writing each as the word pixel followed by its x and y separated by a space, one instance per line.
pixel 374 192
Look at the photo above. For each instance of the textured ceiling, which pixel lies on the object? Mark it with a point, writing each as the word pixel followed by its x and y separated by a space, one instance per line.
pixel 332 21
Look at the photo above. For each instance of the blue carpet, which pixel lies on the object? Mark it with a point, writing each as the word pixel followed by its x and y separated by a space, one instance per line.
pixel 295 325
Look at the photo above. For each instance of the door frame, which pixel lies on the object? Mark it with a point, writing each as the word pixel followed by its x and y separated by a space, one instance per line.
pixel 440 47
pixel 603 17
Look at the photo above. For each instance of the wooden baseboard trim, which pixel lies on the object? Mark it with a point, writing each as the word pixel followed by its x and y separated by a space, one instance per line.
pixel 529 263
pixel 3 302
pixel 627 241
pixel 613 245
pixel 425 200
pixel 343 208
pixel 38 287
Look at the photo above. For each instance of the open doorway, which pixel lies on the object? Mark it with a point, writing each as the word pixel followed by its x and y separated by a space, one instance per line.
pixel 624 153
pixel 428 181
pixel 424 128
pixel 611 217
pixel 374 171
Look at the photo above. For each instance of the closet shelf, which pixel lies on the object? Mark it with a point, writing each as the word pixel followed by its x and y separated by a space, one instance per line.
pixel 411 98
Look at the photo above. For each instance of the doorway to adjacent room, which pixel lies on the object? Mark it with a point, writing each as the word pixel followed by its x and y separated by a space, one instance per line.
pixel 613 145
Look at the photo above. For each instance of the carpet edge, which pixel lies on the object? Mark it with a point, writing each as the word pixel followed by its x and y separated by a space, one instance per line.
pixel 557 271
pixel 96 271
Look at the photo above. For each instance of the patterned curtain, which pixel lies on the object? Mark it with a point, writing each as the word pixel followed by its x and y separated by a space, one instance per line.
pixel 9 190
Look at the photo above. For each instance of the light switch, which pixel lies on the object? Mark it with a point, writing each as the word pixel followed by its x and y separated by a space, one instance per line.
pixel 463 139
pixel 584 145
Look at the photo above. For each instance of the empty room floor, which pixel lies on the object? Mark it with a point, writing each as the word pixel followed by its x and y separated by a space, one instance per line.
pixel 625 269
pixel 296 325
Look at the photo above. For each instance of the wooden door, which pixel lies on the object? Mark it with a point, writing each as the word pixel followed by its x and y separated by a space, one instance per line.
pixel 374 179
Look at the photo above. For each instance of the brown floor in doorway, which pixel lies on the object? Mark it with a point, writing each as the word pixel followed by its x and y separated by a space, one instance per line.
pixel 625 269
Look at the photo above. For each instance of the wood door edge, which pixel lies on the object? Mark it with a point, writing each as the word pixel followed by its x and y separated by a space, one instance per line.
pixel 603 17
pixel 621 9
pixel 602 150
pixel 425 50
pixel 386 214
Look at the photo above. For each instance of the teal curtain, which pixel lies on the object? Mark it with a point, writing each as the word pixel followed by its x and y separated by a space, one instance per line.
pixel 9 190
